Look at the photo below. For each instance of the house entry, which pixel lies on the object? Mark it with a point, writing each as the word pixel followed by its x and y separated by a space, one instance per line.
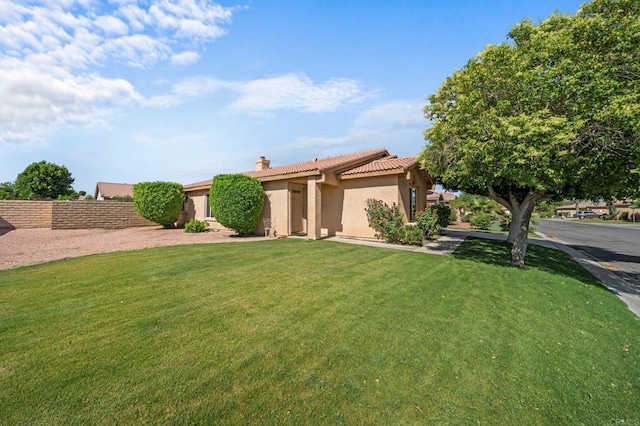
pixel 297 205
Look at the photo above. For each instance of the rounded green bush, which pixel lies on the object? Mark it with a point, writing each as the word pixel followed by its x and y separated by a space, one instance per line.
pixel 237 202
pixel 160 202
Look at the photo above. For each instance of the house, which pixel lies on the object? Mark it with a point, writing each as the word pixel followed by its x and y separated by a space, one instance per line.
pixel 113 191
pixel 572 208
pixel 326 197
pixel 440 198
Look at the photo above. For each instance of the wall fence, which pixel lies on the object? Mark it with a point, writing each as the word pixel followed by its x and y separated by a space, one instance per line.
pixel 16 214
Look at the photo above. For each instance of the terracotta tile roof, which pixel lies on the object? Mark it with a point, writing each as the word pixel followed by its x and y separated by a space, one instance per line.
pixel 319 166
pixel 441 196
pixel 110 190
pixel 204 184
pixel 583 205
pixel 387 164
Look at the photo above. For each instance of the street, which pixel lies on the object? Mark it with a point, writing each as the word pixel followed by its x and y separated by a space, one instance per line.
pixel 616 246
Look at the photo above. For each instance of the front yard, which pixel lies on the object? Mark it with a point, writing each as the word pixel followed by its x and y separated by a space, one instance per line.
pixel 314 332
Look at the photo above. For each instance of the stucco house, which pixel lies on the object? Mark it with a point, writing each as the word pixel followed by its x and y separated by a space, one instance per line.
pixel 326 197
pixel 110 191
pixel 440 198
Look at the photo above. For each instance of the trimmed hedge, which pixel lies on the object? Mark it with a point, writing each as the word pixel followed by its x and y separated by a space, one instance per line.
pixel 237 202
pixel 160 202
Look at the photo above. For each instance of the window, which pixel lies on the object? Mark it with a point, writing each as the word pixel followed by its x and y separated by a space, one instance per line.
pixel 207 206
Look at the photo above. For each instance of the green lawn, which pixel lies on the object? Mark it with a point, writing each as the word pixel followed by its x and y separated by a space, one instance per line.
pixel 314 332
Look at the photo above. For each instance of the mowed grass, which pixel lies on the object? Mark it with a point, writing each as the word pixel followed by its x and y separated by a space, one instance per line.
pixel 314 332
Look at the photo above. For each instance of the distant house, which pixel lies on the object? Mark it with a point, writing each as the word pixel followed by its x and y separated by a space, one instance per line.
pixel 113 191
pixel 572 208
pixel 326 197
pixel 440 198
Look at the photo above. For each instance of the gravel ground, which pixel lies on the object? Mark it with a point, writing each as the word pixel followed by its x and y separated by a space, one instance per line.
pixel 20 247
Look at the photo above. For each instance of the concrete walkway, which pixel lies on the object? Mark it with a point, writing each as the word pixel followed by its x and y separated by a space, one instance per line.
pixel 451 239
pixel 446 244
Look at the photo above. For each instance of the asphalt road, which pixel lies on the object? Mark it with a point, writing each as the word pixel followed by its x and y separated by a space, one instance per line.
pixel 616 247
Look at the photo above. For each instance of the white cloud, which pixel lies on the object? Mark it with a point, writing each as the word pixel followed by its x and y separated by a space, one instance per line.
pixel 111 25
pixel 297 92
pixel 287 92
pixel 392 115
pixel 185 58
pixel 52 53
pixel 380 125
pixel 34 102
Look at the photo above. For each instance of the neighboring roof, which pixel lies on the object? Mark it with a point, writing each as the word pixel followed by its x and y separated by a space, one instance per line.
pixel 319 166
pixel 390 164
pixel 583 205
pixel 111 190
pixel 441 196
pixel 203 184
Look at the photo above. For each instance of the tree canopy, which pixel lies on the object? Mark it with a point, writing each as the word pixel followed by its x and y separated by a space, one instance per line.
pixel 552 112
pixel 43 180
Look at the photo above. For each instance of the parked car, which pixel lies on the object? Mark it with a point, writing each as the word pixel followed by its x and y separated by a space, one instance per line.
pixel 589 214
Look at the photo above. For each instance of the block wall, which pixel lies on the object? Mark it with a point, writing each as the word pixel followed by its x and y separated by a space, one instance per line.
pixel 25 214
pixel 69 215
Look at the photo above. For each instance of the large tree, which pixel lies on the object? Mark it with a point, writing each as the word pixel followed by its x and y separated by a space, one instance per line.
pixel 43 180
pixel 552 112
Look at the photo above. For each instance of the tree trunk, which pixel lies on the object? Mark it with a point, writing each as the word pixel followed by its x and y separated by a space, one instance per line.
pixel 514 226
pixel 519 248
pixel 521 211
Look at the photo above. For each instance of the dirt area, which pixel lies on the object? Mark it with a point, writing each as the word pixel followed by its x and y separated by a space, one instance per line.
pixel 20 247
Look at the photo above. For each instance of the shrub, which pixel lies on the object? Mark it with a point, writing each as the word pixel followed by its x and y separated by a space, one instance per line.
pixel 624 216
pixel 237 202
pixel 194 226
pixel 386 221
pixel 481 221
pixel 428 223
pixel 411 235
pixel 443 212
pixel 160 202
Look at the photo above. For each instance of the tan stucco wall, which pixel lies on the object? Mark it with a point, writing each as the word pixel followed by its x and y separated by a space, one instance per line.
pixel 196 208
pixel 342 211
pixel 276 206
pixel 343 206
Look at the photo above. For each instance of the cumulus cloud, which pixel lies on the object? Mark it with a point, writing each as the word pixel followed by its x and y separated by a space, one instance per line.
pixel 185 58
pixel 380 125
pixel 52 53
pixel 287 92
pixel 34 102
pixel 295 91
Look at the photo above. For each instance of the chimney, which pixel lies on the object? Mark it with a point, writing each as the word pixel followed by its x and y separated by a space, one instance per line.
pixel 262 164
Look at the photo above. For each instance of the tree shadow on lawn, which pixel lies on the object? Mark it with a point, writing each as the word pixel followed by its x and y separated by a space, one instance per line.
pixel 498 253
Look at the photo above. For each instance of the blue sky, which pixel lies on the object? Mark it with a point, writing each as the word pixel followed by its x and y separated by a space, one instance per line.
pixel 182 90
